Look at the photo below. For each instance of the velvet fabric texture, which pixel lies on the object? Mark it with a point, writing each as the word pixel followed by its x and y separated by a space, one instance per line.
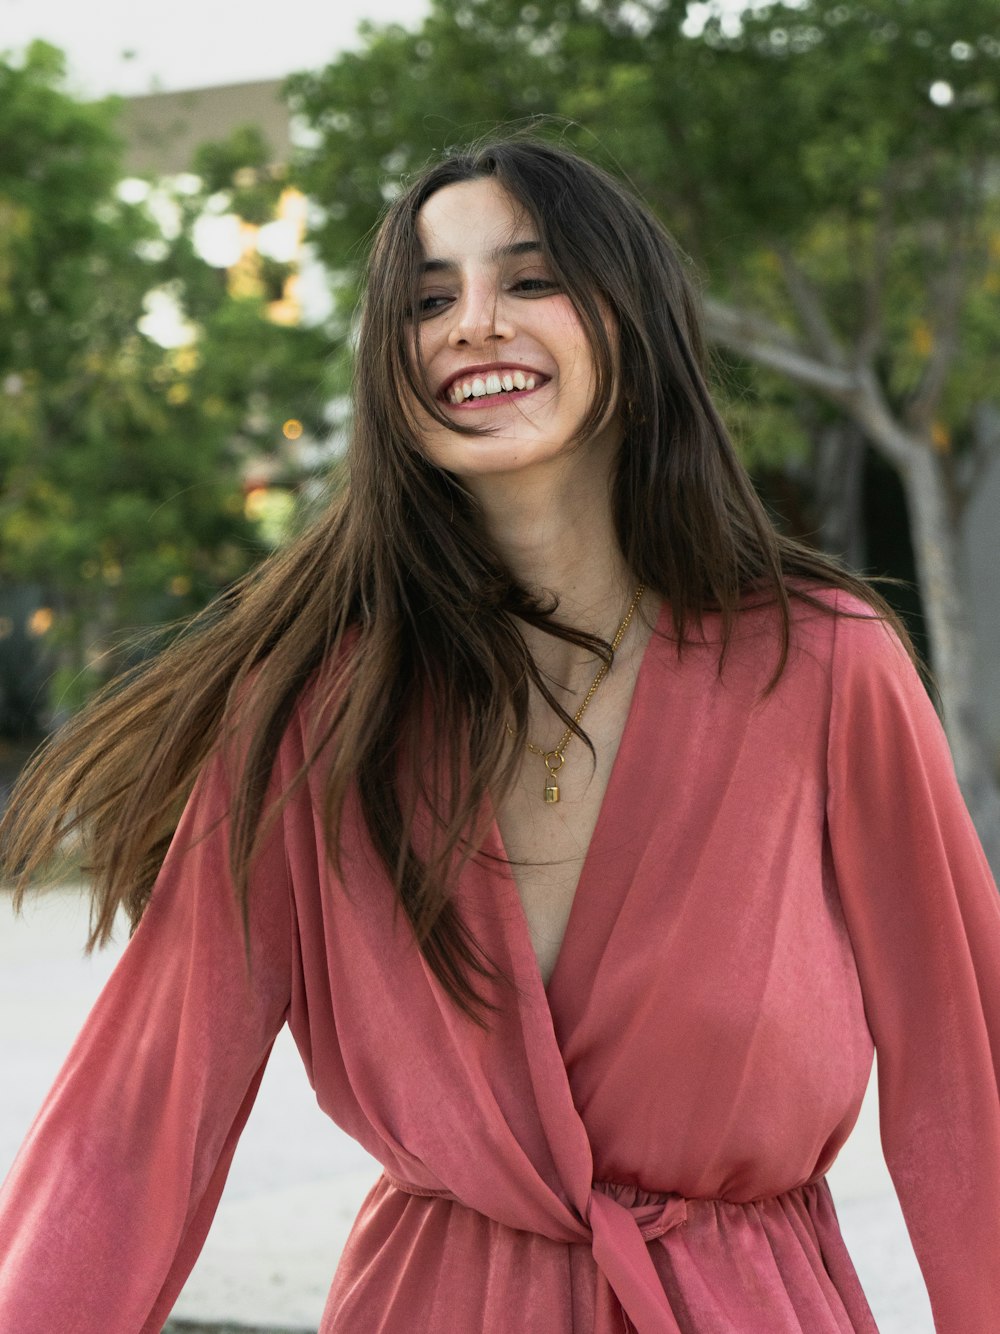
pixel 774 884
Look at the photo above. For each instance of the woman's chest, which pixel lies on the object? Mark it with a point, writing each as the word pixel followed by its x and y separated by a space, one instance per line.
pixel 547 845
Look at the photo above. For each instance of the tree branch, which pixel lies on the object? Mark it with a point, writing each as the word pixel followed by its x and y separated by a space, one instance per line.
pixel 767 344
pixel 856 392
pixel 948 294
pixel 809 308
pixel 871 411
pixel 875 280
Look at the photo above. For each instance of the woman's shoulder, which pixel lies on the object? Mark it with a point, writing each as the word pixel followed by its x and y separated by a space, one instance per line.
pixel 833 633
pixel 854 625
pixel 824 620
pixel 856 639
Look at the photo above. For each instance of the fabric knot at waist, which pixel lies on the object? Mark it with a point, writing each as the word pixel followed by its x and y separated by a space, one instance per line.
pixel 621 1219
pixel 653 1211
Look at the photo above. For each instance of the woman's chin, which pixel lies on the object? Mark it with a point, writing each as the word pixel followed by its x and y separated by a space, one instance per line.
pixel 494 458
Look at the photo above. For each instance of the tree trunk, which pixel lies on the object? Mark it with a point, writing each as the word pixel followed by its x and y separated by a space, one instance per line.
pixel 935 547
pixel 839 451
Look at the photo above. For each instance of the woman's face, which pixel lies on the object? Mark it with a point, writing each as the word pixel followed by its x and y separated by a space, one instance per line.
pixel 499 343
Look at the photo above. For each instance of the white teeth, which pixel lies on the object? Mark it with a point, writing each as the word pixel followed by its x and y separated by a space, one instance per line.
pixel 494 382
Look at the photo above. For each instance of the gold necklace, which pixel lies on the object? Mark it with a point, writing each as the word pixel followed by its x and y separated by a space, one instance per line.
pixel 554 759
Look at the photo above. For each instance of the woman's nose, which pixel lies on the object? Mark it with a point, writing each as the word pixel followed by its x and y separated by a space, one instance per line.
pixel 477 318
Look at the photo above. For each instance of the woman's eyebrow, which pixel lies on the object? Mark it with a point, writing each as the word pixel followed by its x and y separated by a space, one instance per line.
pixel 501 252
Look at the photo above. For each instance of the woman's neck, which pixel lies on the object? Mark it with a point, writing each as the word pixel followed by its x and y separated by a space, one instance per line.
pixel 556 535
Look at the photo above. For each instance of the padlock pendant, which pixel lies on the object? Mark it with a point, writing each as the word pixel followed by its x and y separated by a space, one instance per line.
pixel 551 790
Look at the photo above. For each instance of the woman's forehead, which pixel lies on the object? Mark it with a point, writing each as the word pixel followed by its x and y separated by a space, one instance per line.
pixel 474 219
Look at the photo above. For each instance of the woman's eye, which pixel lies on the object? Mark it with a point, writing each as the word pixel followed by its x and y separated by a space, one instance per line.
pixel 535 286
pixel 429 305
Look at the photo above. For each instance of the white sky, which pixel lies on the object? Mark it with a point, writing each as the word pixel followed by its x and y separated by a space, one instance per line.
pixel 134 46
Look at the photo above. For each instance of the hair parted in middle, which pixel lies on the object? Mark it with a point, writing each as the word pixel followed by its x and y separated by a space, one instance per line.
pixel 395 606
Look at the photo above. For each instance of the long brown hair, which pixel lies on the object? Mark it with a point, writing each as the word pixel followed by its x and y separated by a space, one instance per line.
pixel 398 587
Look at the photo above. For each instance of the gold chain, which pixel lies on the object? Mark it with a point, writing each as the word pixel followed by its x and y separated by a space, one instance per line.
pixel 554 759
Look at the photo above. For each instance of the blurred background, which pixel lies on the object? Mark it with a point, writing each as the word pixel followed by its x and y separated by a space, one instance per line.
pixel 186 196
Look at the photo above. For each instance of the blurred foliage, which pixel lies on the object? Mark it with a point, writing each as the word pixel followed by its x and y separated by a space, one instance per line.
pixel 242 168
pixel 121 460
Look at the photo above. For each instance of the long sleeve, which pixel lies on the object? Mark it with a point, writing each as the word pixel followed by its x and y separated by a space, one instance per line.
pixel 924 919
pixel 109 1200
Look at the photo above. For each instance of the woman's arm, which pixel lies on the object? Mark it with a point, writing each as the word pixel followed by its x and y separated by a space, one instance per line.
pixel 924 918
pixel 110 1198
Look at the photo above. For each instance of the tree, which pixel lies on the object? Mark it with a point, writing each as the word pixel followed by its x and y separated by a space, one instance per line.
pixel 832 168
pixel 121 460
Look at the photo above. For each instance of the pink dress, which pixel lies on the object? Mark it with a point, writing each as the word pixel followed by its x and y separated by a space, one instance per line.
pixel 774 885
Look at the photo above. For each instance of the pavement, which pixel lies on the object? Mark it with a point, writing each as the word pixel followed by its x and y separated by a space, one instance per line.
pixel 297 1181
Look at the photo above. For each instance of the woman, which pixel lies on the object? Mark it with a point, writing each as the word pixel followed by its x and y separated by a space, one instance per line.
pixel 654 915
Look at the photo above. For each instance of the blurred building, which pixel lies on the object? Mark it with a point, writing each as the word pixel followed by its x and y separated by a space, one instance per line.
pixel 163 130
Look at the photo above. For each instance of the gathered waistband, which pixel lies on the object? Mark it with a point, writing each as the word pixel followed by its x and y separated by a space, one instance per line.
pixel 654 1212
pixel 634 1198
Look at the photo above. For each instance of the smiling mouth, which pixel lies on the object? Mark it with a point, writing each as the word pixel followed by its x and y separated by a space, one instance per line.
pixel 482 389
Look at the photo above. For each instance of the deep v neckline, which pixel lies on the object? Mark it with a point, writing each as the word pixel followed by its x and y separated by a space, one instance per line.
pixel 615 778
